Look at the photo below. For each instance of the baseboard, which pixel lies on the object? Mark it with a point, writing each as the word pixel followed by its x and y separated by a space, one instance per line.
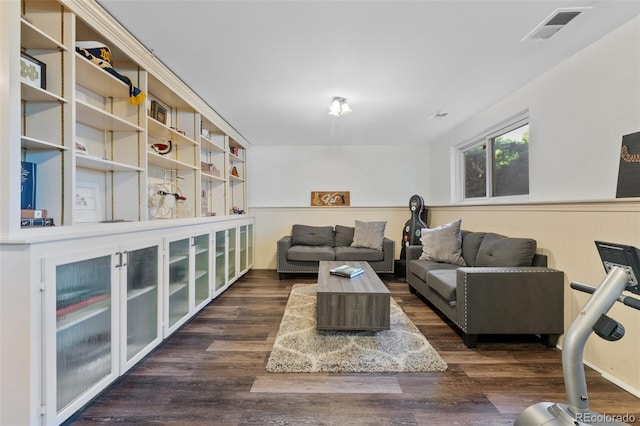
pixel 633 391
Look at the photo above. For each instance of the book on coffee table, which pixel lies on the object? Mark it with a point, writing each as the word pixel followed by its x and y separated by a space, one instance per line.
pixel 346 271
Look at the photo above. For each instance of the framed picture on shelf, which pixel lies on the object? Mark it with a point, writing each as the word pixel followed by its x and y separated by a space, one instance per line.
pixel 158 112
pixel 88 205
pixel 33 71
pixel 81 148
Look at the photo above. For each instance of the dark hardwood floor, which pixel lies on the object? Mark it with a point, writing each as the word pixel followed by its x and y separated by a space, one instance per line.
pixel 212 371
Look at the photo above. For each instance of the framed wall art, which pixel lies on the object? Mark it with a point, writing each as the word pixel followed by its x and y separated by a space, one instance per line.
pixel 330 198
pixel 629 170
pixel 33 71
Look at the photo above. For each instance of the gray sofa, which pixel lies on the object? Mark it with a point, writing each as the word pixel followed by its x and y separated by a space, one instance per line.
pixel 307 245
pixel 498 286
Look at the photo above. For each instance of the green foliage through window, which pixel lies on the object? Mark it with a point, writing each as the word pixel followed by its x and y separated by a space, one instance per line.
pixel 498 166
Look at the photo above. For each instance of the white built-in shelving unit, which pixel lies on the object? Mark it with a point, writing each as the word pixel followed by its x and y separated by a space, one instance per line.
pixel 144 236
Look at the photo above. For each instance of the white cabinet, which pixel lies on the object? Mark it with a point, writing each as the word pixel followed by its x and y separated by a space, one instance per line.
pixel 245 243
pixel 188 278
pixel 220 255
pixel 101 316
pixel 78 313
pixel 81 331
pixel 141 269
pixel 233 253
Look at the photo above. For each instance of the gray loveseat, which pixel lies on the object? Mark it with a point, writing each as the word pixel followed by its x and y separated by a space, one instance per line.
pixel 498 285
pixel 307 245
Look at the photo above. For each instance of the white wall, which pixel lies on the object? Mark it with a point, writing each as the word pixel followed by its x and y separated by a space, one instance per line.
pixel 381 179
pixel 285 175
pixel 579 112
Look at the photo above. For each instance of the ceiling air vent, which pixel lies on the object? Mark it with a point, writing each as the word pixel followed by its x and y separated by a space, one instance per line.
pixel 554 23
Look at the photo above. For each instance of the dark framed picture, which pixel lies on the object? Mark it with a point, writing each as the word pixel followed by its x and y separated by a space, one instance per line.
pixel 33 71
pixel 158 112
pixel 629 169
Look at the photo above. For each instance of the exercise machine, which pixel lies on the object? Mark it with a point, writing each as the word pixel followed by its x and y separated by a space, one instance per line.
pixel 622 265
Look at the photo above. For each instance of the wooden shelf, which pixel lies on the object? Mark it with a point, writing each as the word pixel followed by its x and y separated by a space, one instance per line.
pixel 234 158
pixel 102 120
pixel 36 94
pixel 33 144
pixel 104 165
pixel 211 178
pixel 159 130
pixel 209 145
pixel 168 163
pixel 33 38
pixel 94 78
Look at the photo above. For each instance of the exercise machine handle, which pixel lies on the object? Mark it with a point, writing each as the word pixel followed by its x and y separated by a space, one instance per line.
pixel 632 302
pixel 585 288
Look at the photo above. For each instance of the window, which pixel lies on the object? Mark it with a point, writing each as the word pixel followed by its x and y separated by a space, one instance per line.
pixel 497 164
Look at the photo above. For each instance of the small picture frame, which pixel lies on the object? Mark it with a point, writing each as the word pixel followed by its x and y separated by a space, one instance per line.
pixel 158 112
pixel 33 71
pixel 81 148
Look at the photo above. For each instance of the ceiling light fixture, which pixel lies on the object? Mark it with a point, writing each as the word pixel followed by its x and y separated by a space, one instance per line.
pixel 339 107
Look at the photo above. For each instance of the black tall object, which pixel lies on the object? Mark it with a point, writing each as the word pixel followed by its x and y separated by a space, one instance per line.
pixel 413 228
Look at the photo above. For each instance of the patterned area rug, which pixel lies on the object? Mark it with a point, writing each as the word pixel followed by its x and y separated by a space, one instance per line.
pixel 300 348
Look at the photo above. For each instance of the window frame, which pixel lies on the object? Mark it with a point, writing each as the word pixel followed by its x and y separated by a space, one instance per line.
pixel 486 138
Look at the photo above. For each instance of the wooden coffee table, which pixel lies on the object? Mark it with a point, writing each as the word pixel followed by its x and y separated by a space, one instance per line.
pixel 359 303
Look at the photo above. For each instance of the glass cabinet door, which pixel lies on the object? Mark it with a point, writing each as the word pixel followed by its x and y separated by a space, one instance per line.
pixel 83 317
pixel 220 260
pixel 250 244
pixel 243 247
pixel 201 269
pixel 141 300
pixel 231 275
pixel 178 280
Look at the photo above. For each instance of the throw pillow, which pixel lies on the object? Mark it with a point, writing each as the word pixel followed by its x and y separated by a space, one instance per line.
pixel 498 250
pixel 306 235
pixel 344 235
pixel 443 243
pixel 368 234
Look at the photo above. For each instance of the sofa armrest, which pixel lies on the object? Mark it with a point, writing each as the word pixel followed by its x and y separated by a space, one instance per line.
pixel 513 300
pixel 389 248
pixel 413 252
pixel 281 253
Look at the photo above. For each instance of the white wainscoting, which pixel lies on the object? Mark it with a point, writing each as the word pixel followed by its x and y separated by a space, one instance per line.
pixel 566 233
pixel 272 223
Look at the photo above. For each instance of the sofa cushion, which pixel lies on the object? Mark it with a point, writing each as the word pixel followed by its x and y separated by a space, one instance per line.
pixel 310 253
pixel 498 250
pixel 359 254
pixel 344 235
pixel 443 244
pixel 306 235
pixel 368 234
pixel 443 282
pixel 470 245
pixel 420 268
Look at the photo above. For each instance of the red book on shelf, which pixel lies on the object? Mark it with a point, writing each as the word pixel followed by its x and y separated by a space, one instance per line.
pixel 68 309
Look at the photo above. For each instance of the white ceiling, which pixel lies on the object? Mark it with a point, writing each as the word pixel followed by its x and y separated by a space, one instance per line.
pixel 271 68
